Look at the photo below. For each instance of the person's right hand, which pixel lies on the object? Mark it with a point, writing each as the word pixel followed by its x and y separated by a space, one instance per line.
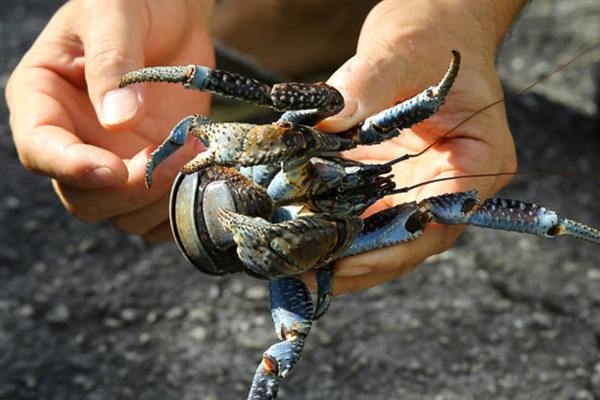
pixel 71 123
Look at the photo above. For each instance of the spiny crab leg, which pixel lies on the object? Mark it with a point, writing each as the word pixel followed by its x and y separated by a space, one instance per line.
pixel 509 215
pixel 177 138
pixel 407 221
pixel 281 97
pixel 292 312
pixel 385 125
pixel 291 247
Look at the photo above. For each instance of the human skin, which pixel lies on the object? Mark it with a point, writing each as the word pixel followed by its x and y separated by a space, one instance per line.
pixel 403 47
pixel 96 158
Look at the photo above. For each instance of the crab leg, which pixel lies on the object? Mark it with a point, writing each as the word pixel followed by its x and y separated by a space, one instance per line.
pixel 509 215
pixel 406 222
pixel 324 290
pixel 177 138
pixel 386 124
pixel 320 98
pixel 292 312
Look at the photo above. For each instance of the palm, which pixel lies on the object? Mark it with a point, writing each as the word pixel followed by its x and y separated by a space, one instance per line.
pixel 470 149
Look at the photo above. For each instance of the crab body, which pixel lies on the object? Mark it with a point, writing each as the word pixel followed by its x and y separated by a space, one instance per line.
pixel 275 200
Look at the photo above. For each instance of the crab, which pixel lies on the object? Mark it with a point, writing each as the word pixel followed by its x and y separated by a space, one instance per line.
pixel 277 200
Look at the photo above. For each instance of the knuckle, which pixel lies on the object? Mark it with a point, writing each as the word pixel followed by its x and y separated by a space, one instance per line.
pixel 511 161
pixel 108 54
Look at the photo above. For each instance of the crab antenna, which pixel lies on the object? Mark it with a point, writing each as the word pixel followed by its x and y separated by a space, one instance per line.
pixel 491 175
pixel 450 178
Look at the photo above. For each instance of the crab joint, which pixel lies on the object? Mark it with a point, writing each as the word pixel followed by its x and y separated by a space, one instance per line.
pixel 270 365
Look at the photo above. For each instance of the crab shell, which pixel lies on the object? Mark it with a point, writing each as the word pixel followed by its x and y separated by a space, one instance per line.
pixel 195 199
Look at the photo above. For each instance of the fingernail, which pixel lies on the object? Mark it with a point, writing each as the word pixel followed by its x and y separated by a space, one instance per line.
pixel 119 105
pixel 104 176
pixel 354 271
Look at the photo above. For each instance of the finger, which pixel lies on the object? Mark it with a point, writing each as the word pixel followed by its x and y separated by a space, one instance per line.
pixel 436 239
pixel 393 61
pixel 142 221
pixel 41 125
pixel 376 77
pixel 113 34
pixel 349 284
pixel 161 233
pixel 45 142
pixel 100 204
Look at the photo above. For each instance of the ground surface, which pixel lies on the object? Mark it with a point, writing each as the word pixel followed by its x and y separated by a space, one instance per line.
pixel 87 313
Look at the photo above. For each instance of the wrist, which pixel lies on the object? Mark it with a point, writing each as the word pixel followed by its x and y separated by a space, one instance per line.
pixel 490 21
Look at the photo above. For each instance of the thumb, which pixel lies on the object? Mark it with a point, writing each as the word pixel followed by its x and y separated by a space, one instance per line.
pixel 372 80
pixel 113 33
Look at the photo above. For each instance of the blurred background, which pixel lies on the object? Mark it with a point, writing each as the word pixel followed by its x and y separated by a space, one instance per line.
pixel 89 313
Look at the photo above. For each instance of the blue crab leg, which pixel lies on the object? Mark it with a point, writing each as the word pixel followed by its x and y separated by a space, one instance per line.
pixel 177 138
pixel 407 221
pixel 292 312
pixel 394 225
pixel 509 215
pixel 317 97
pixel 261 174
pixel 386 124
pixel 324 290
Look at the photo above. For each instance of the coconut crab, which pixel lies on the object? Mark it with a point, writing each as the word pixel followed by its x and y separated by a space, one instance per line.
pixel 235 209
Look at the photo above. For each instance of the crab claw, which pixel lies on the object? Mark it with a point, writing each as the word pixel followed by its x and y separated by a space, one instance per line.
pixel 387 123
pixel 175 140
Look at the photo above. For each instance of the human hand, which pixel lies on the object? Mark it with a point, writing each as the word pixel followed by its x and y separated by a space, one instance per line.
pixel 71 123
pixel 404 47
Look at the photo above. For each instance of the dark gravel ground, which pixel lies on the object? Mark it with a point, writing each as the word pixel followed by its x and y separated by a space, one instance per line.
pixel 88 313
